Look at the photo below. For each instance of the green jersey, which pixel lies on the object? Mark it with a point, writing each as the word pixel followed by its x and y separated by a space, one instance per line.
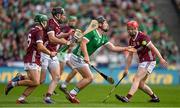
pixel 95 41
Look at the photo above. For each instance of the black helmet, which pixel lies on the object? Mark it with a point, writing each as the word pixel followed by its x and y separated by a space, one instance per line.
pixel 101 19
pixel 58 10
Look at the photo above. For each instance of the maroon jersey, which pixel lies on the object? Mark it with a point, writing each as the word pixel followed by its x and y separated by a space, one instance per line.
pixel 66 29
pixel 140 42
pixel 53 26
pixel 35 36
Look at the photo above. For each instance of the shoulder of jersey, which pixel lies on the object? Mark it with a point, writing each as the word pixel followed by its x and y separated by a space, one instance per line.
pixel 142 33
pixel 35 28
pixel 50 21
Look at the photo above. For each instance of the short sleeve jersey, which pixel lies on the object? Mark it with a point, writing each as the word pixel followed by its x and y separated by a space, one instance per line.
pixel 95 41
pixel 141 42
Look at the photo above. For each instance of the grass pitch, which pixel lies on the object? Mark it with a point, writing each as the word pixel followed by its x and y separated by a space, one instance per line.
pixel 93 95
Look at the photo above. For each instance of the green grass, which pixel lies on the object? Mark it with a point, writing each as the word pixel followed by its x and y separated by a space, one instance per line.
pixel 93 95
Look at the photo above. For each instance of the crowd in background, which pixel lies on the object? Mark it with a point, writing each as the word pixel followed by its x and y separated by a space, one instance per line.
pixel 17 15
pixel 177 5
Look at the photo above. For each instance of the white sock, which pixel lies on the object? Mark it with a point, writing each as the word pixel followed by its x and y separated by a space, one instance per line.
pixel 73 92
pixel 64 85
pixel 21 98
pixel 48 97
pixel 14 84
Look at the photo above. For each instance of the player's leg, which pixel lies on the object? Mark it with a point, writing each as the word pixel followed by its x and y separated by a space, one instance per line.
pixel 61 64
pixel 34 81
pixel 134 87
pixel 44 64
pixel 55 74
pixel 145 88
pixel 43 76
pixel 137 78
pixel 19 77
pixel 63 86
pixel 87 79
pixel 69 78
pixel 30 82
pixel 83 69
pixel 73 73
pixel 29 89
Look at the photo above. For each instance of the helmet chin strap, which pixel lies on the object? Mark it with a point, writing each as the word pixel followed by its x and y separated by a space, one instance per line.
pixel 55 17
pixel 104 30
pixel 43 25
pixel 59 20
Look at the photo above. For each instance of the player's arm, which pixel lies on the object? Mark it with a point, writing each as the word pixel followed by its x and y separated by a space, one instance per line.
pixel 64 34
pixel 53 39
pixel 42 48
pixel 128 62
pixel 151 46
pixel 114 48
pixel 84 49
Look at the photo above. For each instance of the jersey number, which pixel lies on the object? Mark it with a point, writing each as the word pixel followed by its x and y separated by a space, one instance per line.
pixel 29 39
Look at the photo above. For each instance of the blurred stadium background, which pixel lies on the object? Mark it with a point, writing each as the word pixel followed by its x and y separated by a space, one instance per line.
pixel 160 19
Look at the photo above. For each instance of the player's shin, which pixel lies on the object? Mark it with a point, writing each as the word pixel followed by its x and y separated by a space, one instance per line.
pixel 53 85
pixel 26 93
pixel 69 77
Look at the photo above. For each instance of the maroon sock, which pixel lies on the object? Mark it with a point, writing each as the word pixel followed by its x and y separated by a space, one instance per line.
pixel 48 95
pixel 24 94
pixel 22 77
pixel 129 96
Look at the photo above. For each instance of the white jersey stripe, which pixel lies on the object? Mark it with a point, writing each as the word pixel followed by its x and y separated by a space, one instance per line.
pixel 34 56
pixel 150 55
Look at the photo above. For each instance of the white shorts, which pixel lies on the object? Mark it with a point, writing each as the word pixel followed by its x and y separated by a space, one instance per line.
pixel 149 66
pixel 77 62
pixel 67 57
pixel 31 66
pixel 48 62
pixel 64 57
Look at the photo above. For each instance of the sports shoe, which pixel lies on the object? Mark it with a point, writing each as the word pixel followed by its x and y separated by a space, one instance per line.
pixel 63 89
pixel 17 77
pixel 122 98
pixel 8 88
pixel 48 101
pixel 156 99
pixel 72 98
pixel 21 102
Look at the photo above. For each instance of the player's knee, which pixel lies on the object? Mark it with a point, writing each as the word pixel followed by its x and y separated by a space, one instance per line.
pixel 90 78
pixel 141 85
pixel 42 81
pixel 136 79
pixel 36 83
pixel 56 78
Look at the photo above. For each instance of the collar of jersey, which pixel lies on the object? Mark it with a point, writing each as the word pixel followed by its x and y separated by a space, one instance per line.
pixel 56 22
pixel 136 36
pixel 98 33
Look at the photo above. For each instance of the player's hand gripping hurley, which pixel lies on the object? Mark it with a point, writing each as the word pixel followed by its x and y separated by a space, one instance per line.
pixel 78 35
